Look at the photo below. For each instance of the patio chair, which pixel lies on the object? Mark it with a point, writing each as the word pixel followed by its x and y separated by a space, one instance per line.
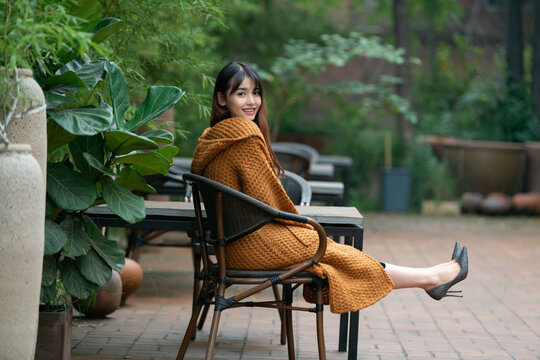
pixel 232 215
pixel 293 158
pixel 298 190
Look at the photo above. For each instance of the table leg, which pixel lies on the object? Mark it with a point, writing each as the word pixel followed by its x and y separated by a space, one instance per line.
pixel 343 322
pixel 353 335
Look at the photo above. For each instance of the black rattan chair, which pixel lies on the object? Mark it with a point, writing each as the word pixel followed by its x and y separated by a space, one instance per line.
pixel 293 158
pixel 297 188
pixel 231 215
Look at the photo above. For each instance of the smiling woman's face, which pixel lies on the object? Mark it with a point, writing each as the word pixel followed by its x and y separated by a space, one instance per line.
pixel 243 102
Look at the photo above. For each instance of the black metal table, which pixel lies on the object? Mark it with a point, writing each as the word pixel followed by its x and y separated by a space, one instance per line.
pixel 339 223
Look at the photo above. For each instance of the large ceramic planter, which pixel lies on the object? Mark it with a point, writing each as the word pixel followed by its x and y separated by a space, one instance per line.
pixel 532 181
pixel 22 217
pixel 29 123
pixel 483 166
pixel 54 334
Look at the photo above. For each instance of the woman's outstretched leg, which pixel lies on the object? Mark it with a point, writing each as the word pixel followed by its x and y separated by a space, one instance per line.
pixel 424 278
pixel 435 280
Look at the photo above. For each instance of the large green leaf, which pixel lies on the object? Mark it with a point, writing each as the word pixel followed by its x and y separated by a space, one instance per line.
pixel 133 180
pixel 123 202
pixel 92 72
pixel 159 136
pixel 69 189
pixel 55 238
pixel 54 100
pixel 106 28
pixel 57 136
pixel 48 275
pixel 158 100
pixel 98 165
pixel 75 283
pixel 118 89
pixel 147 163
pixel 94 268
pixel 89 11
pixel 92 145
pixel 107 249
pixel 83 121
pixel 169 151
pixel 78 72
pixel 67 80
pixel 77 243
pixel 121 142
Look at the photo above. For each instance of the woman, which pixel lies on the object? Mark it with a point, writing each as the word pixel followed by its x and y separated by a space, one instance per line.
pixel 236 151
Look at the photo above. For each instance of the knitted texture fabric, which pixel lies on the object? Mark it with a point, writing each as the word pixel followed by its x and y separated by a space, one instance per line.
pixel 234 153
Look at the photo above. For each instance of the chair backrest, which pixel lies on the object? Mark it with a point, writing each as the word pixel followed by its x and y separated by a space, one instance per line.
pixel 297 188
pixel 230 213
pixel 308 150
pixel 293 159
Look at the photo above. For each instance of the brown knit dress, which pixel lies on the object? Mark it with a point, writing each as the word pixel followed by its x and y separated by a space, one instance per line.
pixel 234 153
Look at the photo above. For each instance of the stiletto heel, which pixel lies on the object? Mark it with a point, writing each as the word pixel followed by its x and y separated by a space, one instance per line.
pixel 457 250
pixel 441 291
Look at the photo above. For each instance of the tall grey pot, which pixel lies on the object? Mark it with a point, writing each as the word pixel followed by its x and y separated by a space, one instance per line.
pixel 22 222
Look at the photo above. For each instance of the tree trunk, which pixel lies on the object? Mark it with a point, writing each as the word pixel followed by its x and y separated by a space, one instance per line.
pixel 535 91
pixel 403 71
pixel 514 43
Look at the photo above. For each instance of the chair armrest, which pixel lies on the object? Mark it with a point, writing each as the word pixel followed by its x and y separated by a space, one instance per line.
pixel 323 241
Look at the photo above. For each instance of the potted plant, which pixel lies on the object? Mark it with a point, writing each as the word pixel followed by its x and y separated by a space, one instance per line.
pixel 94 155
pixel 30 32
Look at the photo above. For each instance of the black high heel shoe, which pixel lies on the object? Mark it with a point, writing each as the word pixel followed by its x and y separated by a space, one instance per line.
pixel 438 292
pixel 457 250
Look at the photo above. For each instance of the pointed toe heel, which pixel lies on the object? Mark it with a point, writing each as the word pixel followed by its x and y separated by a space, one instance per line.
pixel 443 290
pixel 457 250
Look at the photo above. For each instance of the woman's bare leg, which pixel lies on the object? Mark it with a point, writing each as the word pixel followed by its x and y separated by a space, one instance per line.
pixel 424 278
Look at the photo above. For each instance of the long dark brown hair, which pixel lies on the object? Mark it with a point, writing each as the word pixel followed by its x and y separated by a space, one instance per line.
pixel 227 81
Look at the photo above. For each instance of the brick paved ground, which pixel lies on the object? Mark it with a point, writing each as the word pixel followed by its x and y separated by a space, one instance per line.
pixel 499 317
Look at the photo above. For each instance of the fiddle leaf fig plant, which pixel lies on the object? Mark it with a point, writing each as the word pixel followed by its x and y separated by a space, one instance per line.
pixel 95 156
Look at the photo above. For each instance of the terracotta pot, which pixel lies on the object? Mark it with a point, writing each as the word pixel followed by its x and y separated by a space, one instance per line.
pixel 131 275
pixel 471 202
pixel 496 203
pixel 22 229
pixel 527 202
pixel 105 301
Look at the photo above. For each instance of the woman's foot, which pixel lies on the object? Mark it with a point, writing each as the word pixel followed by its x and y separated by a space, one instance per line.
pixel 443 288
pixel 442 273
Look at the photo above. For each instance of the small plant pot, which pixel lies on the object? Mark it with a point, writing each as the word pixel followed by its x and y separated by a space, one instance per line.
pixel 54 333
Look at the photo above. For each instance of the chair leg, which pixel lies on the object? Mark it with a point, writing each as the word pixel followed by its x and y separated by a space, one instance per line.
pixel 287 300
pixel 320 327
pixel 190 331
pixel 214 328
pixel 283 338
pixel 203 316
pixel 196 283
